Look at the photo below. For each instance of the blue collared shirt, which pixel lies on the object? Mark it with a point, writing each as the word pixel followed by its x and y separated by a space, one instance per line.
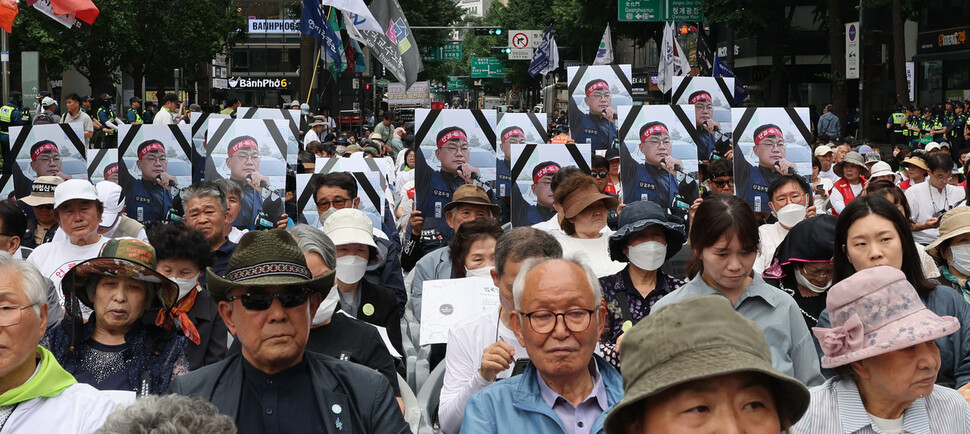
pixel 578 419
pixel 836 407
pixel 792 347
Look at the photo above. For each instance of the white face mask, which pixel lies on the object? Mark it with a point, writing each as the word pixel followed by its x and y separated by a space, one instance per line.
pixel 185 284
pixel 327 307
pixel 789 215
pixel 648 256
pixel 350 268
pixel 326 214
pixel 961 258
pixel 802 280
pixel 480 272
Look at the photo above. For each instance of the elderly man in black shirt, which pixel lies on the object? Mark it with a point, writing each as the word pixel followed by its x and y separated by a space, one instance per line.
pixel 267 300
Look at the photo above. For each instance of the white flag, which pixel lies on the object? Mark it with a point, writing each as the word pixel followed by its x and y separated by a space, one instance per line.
pixel 356 13
pixel 673 60
pixel 604 55
pixel 546 57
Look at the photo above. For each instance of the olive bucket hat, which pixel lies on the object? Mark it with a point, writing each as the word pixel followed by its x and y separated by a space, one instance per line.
pixel 121 257
pixel 264 258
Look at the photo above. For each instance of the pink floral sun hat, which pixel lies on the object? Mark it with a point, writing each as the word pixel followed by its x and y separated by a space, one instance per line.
pixel 877 311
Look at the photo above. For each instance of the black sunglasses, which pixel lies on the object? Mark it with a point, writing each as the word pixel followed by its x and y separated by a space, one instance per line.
pixel 262 301
pixel 602 174
pixel 724 183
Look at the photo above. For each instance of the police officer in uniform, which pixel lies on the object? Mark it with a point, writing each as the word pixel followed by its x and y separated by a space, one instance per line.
pixel 526 214
pixel 133 114
pixel 149 198
pixel 933 123
pixel 148 115
pixel 598 126
pixel 914 124
pixel 12 114
pixel 954 133
pixel 109 137
pixel 896 124
pixel 436 187
pixel 751 181
pixel 661 178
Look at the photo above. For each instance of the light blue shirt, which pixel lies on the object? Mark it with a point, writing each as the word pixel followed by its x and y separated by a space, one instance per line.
pixel 792 347
pixel 578 419
pixel 836 407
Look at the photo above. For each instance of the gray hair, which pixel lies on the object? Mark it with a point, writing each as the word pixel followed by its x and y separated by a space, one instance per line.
pixel 229 186
pixel 311 239
pixel 34 285
pixel 524 243
pixel 205 189
pixel 518 288
pixel 168 414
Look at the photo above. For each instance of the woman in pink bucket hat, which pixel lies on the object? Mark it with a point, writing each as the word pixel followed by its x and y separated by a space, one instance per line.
pixel 882 347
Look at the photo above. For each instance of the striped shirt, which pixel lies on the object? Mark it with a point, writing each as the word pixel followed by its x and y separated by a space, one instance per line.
pixel 836 407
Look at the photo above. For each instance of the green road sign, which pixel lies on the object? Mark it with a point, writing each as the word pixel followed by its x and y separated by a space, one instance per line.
pixel 487 67
pixel 455 83
pixel 654 10
pixel 382 82
pixel 450 52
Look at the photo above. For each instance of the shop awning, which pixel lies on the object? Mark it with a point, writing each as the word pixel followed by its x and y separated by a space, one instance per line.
pixel 959 54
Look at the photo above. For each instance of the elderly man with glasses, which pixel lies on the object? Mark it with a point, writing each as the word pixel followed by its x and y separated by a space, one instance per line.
pixel 267 300
pixel 36 393
pixel 558 318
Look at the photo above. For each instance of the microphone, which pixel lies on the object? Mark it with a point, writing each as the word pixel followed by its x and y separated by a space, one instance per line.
pixel 267 189
pixel 474 176
pixel 676 166
pixel 171 182
pixel 718 135
pixel 791 170
pixel 262 184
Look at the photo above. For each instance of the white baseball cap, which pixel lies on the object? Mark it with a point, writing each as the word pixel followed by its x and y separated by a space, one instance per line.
pixel 822 150
pixel 110 195
pixel 48 101
pixel 349 226
pixel 74 189
pixel 932 146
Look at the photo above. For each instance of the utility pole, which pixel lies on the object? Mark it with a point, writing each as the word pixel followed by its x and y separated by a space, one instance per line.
pixel 862 76
pixel 6 64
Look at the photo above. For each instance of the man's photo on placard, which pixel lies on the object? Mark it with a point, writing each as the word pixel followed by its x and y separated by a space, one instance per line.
pixel 769 143
pixel 43 150
pixel 291 134
pixel 513 128
pixel 103 165
pixel 531 196
pixel 457 148
pixel 711 98
pixel 658 158
pixel 200 136
pixel 252 153
pixel 595 94
pixel 155 164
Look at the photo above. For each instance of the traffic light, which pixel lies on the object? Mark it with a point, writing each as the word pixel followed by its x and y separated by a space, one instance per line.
pixel 501 50
pixel 488 31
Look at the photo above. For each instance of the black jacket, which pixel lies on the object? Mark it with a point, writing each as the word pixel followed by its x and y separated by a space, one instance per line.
pixel 212 331
pixel 365 395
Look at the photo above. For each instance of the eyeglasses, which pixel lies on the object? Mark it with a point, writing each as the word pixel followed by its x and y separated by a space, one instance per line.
pixel 601 174
pixel 773 143
pixel 791 198
pixel 455 149
pixel 49 160
pixel 722 183
pixel 262 301
pixel 545 183
pixel 600 95
pixel 657 142
pixel 12 314
pixel 337 203
pixel 152 160
pixel 544 321
pixel 244 157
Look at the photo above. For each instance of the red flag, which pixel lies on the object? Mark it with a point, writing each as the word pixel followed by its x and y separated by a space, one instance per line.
pixel 84 10
pixel 8 11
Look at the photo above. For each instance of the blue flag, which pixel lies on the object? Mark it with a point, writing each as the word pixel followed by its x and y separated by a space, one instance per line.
pixel 546 57
pixel 721 70
pixel 314 25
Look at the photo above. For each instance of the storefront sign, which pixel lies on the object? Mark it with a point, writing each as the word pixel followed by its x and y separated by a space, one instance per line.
pixel 418 94
pixel 944 40
pixel 852 50
pixel 258 25
pixel 259 83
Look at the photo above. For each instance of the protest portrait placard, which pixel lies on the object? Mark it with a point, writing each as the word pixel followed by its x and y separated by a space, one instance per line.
pixel 42 150
pixel 533 166
pixel 452 301
pixel 155 163
pixel 711 98
pixel 454 147
pixel 252 153
pixel 291 134
pixel 595 95
pixel 513 128
pixel 658 158
pixel 103 165
pixel 769 142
